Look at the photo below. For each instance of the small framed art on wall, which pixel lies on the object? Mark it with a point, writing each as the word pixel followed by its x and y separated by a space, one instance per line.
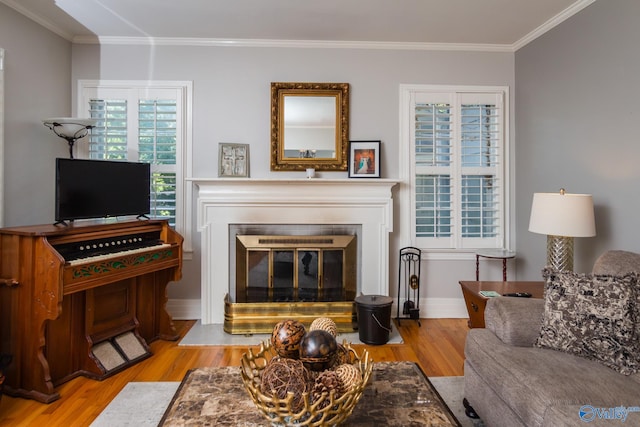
pixel 233 160
pixel 364 159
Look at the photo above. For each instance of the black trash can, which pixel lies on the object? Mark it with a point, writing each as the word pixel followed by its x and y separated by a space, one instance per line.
pixel 374 318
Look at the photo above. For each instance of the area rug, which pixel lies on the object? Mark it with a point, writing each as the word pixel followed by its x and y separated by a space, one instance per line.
pixel 139 404
pixel 214 334
pixel 144 403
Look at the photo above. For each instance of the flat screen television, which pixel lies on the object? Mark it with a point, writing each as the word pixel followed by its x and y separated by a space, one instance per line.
pixel 101 188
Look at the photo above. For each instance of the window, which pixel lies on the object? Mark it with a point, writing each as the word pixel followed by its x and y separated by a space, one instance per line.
pixel 455 163
pixel 143 122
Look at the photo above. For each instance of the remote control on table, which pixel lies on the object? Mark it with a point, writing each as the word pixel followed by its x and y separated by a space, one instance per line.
pixel 518 294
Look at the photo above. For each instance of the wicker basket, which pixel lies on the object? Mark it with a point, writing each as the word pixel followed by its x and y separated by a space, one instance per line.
pixel 314 414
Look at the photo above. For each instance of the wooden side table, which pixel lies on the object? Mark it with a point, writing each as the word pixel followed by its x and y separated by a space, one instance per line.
pixel 476 303
pixel 502 254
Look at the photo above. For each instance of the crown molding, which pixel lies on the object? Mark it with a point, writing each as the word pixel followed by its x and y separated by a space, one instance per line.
pixel 319 44
pixel 337 44
pixel 552 23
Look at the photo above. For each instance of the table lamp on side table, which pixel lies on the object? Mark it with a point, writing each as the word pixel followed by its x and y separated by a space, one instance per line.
pixel 562 216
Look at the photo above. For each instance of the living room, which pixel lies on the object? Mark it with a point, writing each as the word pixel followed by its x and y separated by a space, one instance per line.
pixel 560 134
pixel 565 155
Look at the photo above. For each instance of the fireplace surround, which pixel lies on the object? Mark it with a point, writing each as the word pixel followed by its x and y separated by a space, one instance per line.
pixel 224 202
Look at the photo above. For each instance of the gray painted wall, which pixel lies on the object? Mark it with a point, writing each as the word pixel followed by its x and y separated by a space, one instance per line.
pixel 232 104
pixel 37 86
pixel 577 116
pixel 575 98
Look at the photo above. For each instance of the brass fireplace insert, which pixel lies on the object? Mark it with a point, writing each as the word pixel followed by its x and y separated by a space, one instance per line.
pixel 302 277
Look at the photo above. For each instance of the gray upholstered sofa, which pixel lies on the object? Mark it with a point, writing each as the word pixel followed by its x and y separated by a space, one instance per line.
pixel 510 382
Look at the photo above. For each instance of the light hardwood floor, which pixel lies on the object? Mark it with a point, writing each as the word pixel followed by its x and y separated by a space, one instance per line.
pixel 437 346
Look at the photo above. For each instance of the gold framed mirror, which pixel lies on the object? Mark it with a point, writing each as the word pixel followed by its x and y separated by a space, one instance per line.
pixel 309 126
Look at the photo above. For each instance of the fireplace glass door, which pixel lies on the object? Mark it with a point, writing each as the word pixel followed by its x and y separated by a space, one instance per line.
pixel 282 275
pixel 292 270
pixel 308 275
pixel 332 266
pixel 258 262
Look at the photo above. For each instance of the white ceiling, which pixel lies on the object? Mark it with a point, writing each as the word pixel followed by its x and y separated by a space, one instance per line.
pixel 498 24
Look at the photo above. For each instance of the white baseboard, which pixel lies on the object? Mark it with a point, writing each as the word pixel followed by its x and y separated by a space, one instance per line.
pixel 444 308
pixel 185 309
pixel 430 308
pixel 438 308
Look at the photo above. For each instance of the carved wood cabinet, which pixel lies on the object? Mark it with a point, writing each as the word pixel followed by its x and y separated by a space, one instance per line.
pixel 83 299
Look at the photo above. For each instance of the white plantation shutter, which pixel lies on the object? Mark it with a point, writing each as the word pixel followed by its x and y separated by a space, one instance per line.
pixel 157 124
pixel 163 195
pixel 433 157
pixel 140 125
pixel 109 139
pixel 457 151
pixel 480 157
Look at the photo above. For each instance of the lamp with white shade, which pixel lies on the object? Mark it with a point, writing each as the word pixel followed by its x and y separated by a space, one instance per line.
pixel 562 216
pixel 70 128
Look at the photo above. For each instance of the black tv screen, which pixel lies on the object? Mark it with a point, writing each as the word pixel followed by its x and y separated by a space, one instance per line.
pixel 101 188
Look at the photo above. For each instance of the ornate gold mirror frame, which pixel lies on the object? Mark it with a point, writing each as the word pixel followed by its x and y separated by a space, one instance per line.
pixel 309 126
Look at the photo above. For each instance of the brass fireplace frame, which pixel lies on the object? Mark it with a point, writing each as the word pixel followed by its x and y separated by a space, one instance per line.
pixel 242 317
pixel 260 318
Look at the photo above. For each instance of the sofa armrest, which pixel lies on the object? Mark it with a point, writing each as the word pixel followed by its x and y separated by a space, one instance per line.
pixel 515 321
pixel 617 263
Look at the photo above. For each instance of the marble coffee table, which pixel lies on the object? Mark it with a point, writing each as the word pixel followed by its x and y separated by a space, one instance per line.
pixel 398 394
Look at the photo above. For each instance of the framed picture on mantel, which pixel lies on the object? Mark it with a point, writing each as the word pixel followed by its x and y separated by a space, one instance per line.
pixel 233 160
pixel 364 159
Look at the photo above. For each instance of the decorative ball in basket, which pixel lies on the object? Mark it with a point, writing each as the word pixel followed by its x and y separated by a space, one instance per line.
pixel 319 385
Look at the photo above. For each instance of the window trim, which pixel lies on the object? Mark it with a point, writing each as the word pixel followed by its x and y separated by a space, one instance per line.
pixel 184 158
pixel 407 166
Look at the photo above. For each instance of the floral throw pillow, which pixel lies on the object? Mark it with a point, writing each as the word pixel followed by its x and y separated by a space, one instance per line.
pixel 593 316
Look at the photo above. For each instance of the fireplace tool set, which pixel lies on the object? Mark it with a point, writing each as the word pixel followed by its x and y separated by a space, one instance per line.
pixel 409 284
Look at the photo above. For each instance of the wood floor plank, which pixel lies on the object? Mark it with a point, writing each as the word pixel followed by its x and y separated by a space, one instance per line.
pixel 437 345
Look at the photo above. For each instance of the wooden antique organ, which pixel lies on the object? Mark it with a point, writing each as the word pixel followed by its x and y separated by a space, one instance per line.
pixel 83 299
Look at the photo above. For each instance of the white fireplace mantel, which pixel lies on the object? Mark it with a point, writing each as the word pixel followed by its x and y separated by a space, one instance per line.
pixel 221 202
